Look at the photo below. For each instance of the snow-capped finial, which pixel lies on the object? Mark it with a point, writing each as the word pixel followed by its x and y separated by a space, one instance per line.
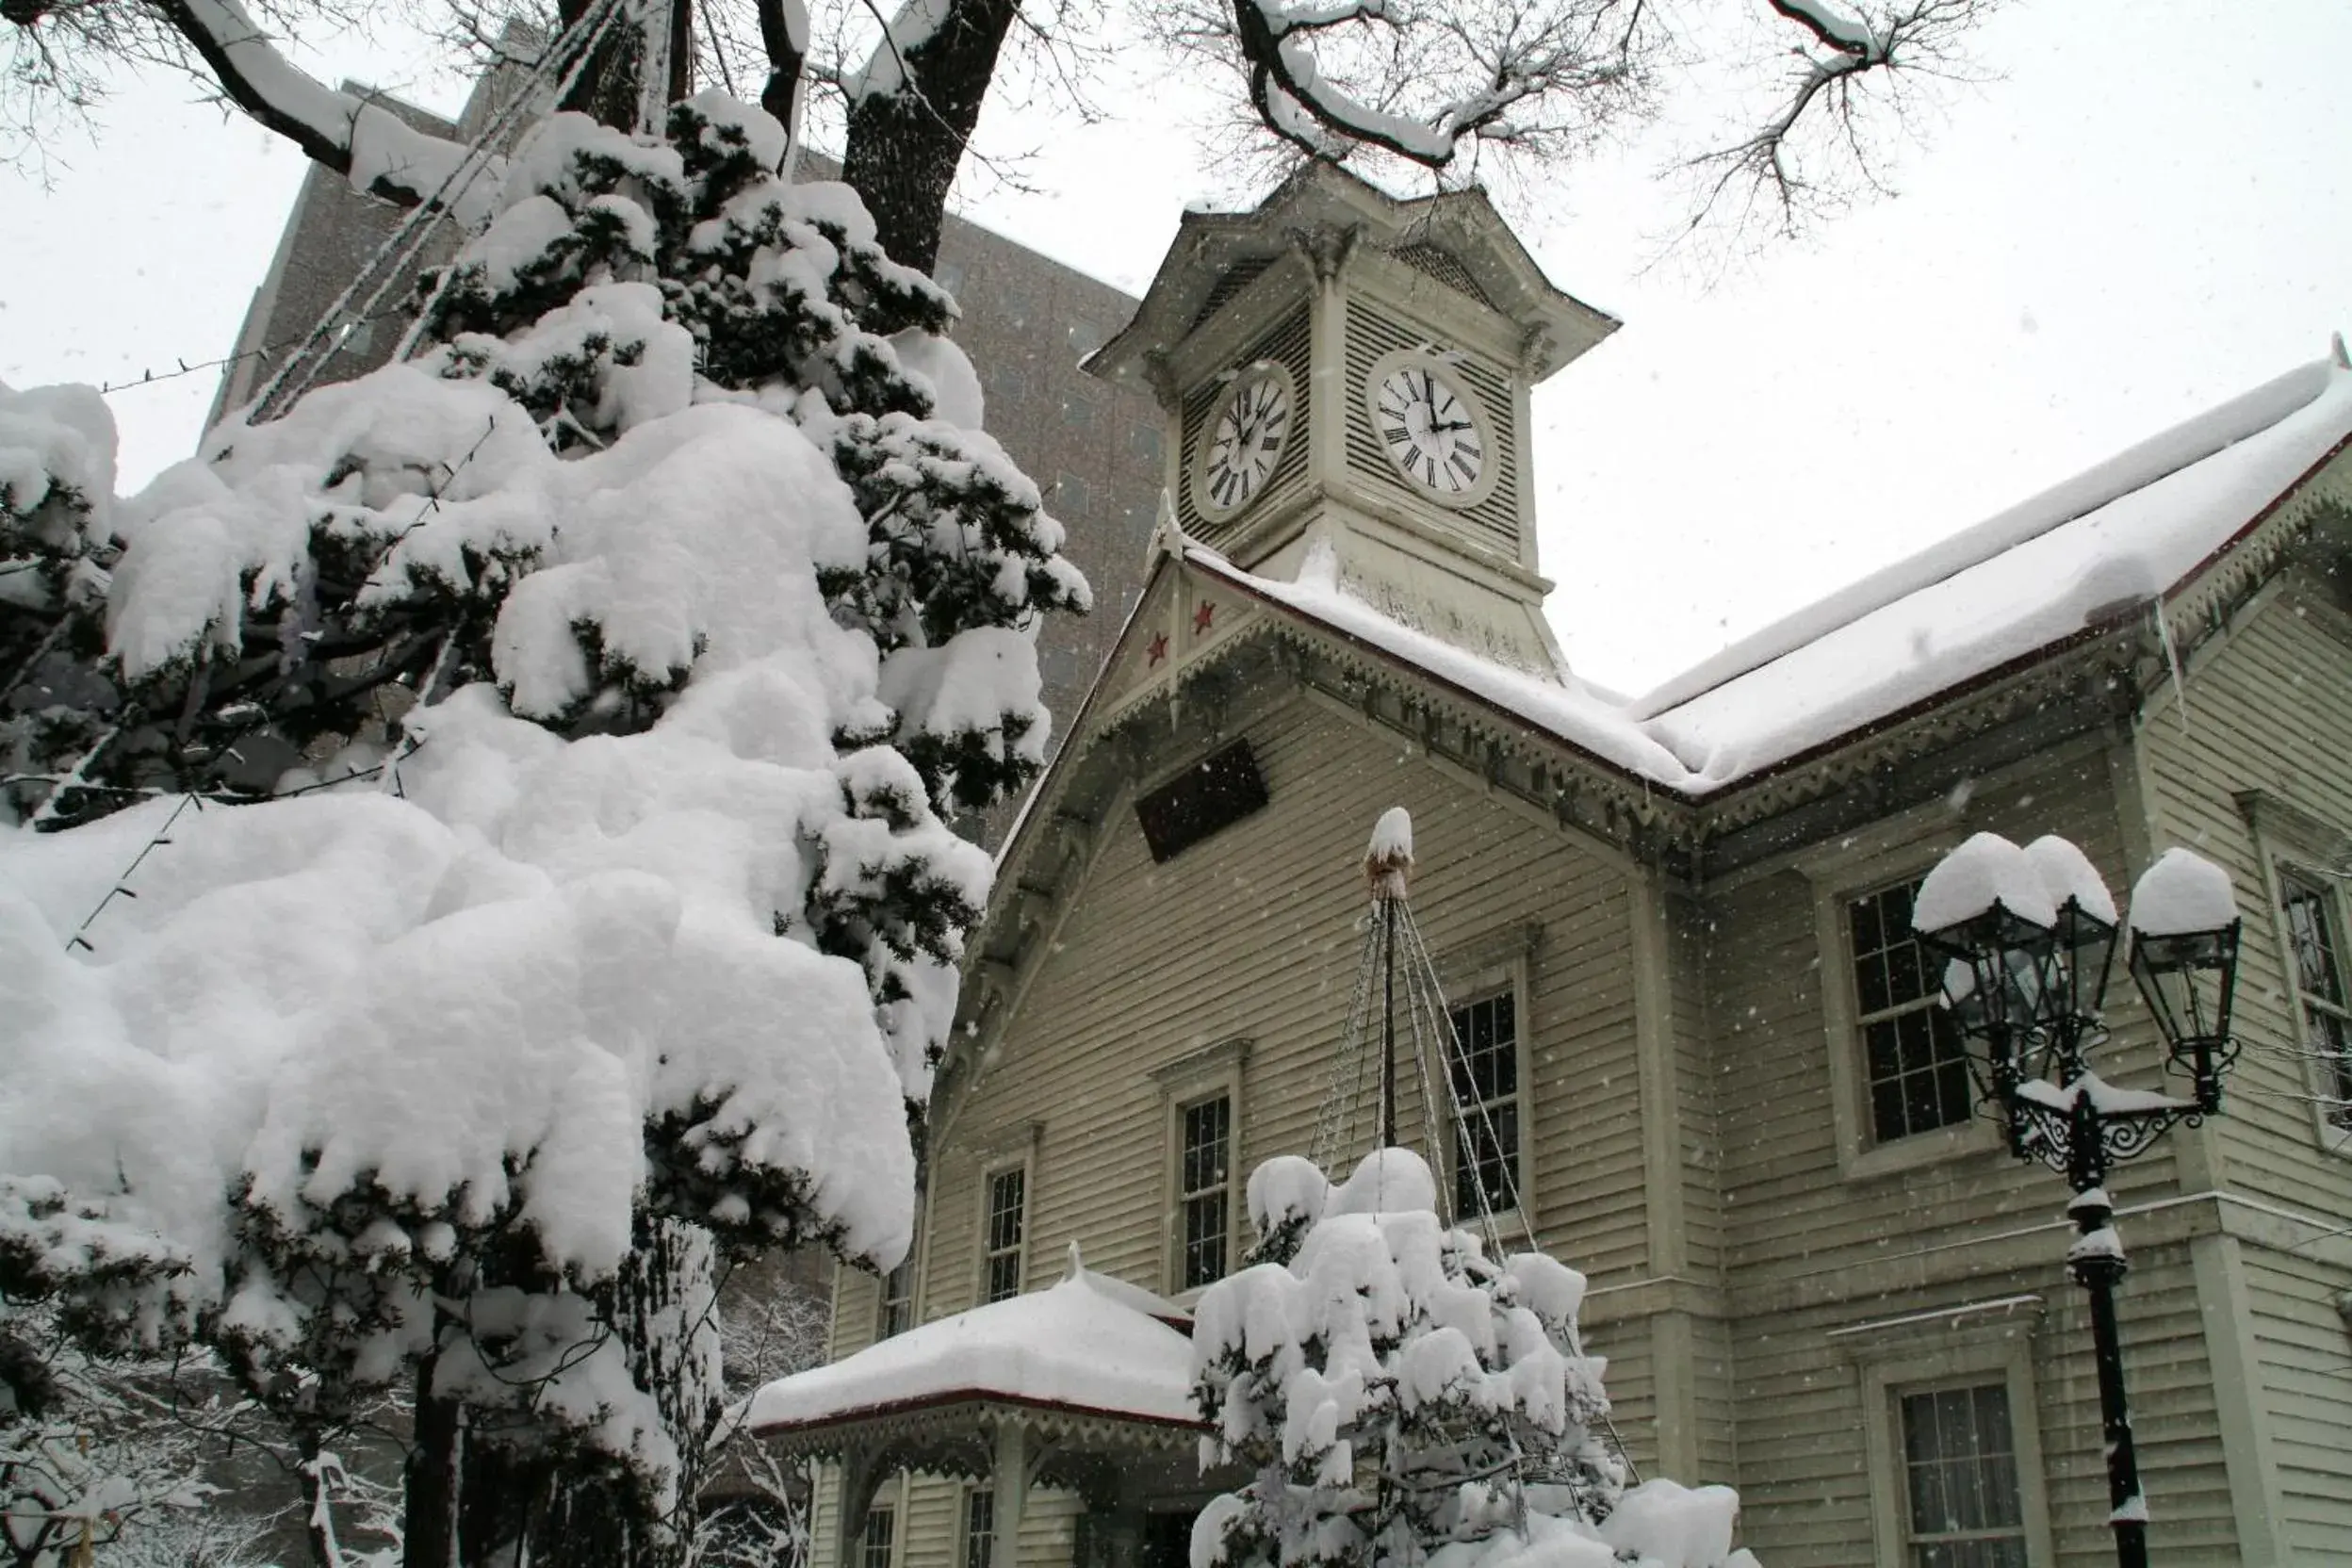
pixel 2344 360
pixel 1388 863
pixel 1077 1264
pixel 1168 535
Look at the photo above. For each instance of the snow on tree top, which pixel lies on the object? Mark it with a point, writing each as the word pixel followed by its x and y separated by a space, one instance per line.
pixel 1387 1180
pixel 2067 874
pixel 2182 892
pixel 1986 871
pixel 1079 1345
pixel 1672 1526
pixel 55 438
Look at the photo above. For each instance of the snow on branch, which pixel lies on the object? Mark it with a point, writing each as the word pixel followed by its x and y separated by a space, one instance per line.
pixel 1855 61
pixel 374 148
pixel 1424 83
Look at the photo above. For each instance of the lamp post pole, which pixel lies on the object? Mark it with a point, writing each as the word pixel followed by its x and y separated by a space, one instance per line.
pixel 2030 937
pixel 2098 1272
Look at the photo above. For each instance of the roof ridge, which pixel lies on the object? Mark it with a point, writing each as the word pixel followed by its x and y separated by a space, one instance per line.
pixel 2138 466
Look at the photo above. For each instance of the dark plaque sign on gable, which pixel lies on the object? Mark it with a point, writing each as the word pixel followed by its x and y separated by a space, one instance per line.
pixel 1221 789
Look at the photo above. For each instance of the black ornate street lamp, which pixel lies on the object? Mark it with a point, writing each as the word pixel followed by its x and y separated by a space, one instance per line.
pixel 2029 939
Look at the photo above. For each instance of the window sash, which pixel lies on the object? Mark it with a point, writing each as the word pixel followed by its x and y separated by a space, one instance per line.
pixel 874 1545
pixel 1007 1198
pixel 1964 1503
pixel 2315 956
pixel 896 1315
pixel 1915 1073
pixel 979 1529
pixel 1482 1070
pixel 1204 1172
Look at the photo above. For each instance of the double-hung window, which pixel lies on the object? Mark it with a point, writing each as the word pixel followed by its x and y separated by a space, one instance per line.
pixel 897 1312
pixel 873 1547
pixel 1007 1194
pixel 1204 1195
pixel 2315 938
pixel 1914 1068
pixel 979 1527
pixel 1963 1507
pixel 1484 1070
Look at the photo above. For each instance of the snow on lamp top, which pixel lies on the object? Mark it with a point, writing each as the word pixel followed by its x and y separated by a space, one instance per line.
pixel 2180 894
pixel 1388 860
pixel 2067 872
pixel 1984 874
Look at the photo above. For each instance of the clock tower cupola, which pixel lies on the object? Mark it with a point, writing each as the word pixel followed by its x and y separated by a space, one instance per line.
pixel 1345 376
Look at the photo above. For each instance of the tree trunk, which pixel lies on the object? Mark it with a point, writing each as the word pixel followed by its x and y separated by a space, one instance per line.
pixel 662 1311
pixel 606 90
pixel 432 1485
pixel 904 146
pixel 317 1511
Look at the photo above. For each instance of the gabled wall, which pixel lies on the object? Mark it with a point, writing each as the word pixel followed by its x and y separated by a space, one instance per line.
pixel 1846 1263
pixel 1252 934
pixel 2250 763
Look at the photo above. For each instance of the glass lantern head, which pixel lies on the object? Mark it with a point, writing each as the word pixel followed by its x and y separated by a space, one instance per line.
pixel 2189 980
pixel 2084 955
pixel 2008 961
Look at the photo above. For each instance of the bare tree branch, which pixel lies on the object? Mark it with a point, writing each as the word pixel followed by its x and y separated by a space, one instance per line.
pixel 1853 64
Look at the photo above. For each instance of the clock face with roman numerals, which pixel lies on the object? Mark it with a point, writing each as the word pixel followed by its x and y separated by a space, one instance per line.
pixel 1244 441
pixel 1429 427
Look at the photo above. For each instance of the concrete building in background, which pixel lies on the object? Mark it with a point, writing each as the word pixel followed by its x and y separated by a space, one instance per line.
pixel 1093 449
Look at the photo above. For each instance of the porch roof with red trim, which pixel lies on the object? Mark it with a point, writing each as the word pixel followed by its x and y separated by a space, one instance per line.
pixel 1090 1346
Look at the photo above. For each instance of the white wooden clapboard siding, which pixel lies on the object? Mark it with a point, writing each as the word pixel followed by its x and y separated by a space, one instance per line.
pixel 1789 1213
pixel 2306 1361
pixel 1252 933
pixel 1809 1251
pixel 2270 710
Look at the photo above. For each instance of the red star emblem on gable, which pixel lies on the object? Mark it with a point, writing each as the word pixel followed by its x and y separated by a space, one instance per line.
pixel 1157 648
pixel 1202 615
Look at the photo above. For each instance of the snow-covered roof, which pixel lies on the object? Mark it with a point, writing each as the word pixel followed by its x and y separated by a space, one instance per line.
pixel 2104 543
pixel 2111 539
pixel 1089 1343
pixel 1561 707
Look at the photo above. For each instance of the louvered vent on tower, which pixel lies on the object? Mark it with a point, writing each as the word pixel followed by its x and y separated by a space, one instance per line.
pixel 1493 522
pixel 1442 265
pixel 1284 344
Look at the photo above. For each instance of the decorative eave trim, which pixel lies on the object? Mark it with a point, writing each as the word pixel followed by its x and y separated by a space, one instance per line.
pixel 2109 664
pixel 921 1419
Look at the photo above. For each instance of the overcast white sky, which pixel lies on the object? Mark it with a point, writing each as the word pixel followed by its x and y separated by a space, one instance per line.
pixel 2147 210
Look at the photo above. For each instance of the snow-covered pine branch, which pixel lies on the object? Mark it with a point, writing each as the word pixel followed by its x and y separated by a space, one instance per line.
pixel 470 1084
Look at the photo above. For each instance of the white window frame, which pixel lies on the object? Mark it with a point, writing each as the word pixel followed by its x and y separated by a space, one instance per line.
pixel 1195 1078
pixel 2291 841
pixel 896 1513
pixel 911 1268
pixel 1853 871
pixel 991 1154
pixel 1478 972
pixel 1938 1351
pixel 963 1523
pixel 983 1292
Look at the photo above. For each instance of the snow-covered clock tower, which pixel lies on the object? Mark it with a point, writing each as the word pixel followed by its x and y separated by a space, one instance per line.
pixel 1344 377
